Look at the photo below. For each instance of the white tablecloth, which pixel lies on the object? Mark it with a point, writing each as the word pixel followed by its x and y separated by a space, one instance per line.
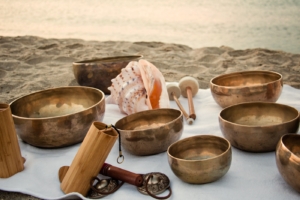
pixel 251 175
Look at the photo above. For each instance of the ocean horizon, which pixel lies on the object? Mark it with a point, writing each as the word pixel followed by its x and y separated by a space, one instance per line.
pixel 240 24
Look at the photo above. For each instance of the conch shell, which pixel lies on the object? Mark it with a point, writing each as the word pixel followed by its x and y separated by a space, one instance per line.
pixel 140 86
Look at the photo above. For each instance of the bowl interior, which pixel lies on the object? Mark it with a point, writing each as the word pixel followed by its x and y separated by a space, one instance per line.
pixel 56 102
pixel 259 114
pixel 199 148
pixel 292 143
pixel 246 78
pixel 149 119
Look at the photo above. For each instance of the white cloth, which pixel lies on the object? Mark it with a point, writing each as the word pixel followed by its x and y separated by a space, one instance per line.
pixel 251 175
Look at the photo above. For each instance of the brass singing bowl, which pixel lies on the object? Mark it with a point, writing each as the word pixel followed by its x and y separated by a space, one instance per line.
pixel 288 159
pixel 258 126
pixel 200 159
pixel 57 117
pixel 151 131
pixel 246 86
pixel 98 73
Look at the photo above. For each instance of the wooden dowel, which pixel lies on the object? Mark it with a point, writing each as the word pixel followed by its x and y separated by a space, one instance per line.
pixel 187 117
pixel 191 104
pixel 180 107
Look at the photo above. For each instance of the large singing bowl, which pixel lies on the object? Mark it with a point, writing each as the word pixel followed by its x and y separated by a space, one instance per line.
pixel 151 131
pixel 246 86
pixel 288 159
pixel 200 159
pixel 57 117
pixel 258 126
pixel 98 73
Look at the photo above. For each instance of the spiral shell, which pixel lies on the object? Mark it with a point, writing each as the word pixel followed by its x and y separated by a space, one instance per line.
pixel 140 86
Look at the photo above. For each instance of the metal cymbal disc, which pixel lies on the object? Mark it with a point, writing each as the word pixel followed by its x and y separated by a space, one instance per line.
pixel 103 186
pixel 156 185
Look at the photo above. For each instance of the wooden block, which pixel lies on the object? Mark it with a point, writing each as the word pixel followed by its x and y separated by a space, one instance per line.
pixel 11 161
pixel 89 159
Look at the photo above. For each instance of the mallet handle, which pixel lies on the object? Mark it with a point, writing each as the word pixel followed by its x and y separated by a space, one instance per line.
pixel 191 104
pixel 180 107
pixel 121 174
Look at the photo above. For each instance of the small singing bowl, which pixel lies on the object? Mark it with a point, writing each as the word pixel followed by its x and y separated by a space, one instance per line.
pixel 246 86
pixel 257 126
pixel 288 159
pixel 57 117
pixel 151 131
pixel 200 159
pixel 98 73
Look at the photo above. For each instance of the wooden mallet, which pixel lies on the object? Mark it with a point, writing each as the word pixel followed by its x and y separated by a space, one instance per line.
pixel 189 87
pixel 174 93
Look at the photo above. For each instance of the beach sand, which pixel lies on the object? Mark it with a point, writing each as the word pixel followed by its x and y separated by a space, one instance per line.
pixel 29 64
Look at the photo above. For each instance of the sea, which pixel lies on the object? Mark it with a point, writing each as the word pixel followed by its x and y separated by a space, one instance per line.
pixel 240 24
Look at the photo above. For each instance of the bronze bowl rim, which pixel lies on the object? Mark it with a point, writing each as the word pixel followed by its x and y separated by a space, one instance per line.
pixel 288 162
pixel 144 111
pixel 107 59
pixel 245 72
pixel 258 102
pixel 281 141
pixel 59 116
pixel 202 160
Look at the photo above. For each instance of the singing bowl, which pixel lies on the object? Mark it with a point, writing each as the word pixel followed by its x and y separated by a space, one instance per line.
pixel 258 126
pixel 288 159
pixel 98 73
pixel 57 117
pixel 151 131
pixel 246 86
pixel 200 159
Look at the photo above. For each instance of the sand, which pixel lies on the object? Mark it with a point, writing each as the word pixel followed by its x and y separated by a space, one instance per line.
pixel 29 64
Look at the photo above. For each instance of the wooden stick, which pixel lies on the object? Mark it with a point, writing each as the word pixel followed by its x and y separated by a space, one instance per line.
pixel 191 104
pixel 89 159
pixel 187 117
pixel 122 175
pixel 11 161
pixel 180 106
